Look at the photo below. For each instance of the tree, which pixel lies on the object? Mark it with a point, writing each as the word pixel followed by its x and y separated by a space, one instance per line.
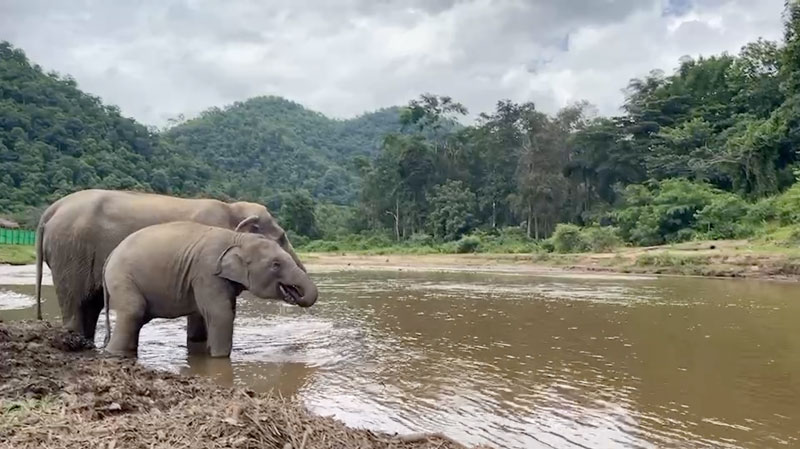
pixel 298 214
pixel 452 206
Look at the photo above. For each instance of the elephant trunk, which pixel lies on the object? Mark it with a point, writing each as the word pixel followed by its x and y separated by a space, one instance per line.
pixel 290 249
pixel 307 288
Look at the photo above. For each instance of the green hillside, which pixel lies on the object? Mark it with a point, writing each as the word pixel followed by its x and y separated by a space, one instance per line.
pixel 55 139
pixel 266 146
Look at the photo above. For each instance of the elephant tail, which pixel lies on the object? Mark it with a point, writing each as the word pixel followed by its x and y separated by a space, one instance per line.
pixel 106 305
pixel 39 262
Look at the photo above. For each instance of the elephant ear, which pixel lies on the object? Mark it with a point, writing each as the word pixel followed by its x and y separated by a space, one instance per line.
pixel 249 224
pixel 231 266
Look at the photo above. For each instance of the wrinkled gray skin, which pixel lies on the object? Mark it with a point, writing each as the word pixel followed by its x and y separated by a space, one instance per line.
pixel 77 233
pixel 183 269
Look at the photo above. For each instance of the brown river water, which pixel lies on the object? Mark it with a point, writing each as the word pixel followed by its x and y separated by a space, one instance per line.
pixel 555 361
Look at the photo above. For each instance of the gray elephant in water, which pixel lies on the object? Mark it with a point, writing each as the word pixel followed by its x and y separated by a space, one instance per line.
pixel 77 233
pixel 183 268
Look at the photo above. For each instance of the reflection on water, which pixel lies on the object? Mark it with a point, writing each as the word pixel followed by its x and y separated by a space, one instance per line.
pixel 518 361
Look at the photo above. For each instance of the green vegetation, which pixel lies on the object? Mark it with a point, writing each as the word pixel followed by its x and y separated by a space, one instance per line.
pixel 707 152
pixel 17 254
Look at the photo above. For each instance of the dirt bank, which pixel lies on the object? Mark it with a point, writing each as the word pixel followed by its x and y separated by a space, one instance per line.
pixel 56 394
pixel 725 259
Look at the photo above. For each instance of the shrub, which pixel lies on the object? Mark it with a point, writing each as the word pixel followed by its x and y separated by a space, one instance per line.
pixel 467 244
pixel 567 238
pixel 297 239
pixel 321 246
pixel 601 239
pixel 788 205
pixel 420 239
pixel 762 212
pixel 723 218
pixel 654 213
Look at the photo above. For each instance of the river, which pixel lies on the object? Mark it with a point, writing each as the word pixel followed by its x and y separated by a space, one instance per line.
pixel 562 361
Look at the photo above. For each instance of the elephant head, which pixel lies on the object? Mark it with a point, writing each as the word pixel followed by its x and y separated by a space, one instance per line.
pixel 256 219
pixel 262 267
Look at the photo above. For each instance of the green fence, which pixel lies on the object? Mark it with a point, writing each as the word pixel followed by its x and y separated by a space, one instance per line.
pixel 17 237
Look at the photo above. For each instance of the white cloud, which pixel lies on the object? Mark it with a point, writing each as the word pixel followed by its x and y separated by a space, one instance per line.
pixel 156 59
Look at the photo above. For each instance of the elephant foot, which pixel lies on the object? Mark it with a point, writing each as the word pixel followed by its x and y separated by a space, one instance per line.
pixel 120 354
pixel 71 341
pixel 197 347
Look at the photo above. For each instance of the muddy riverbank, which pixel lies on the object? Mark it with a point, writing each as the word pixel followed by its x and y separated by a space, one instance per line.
pixel 54 394
pixel 720 259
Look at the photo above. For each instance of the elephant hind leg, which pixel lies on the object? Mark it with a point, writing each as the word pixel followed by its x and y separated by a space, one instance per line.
pixel 71 296
pixel 90 312
pixel 130 307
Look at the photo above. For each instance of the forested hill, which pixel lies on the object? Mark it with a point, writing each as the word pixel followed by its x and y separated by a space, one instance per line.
pixel 268 145
pixel 56 139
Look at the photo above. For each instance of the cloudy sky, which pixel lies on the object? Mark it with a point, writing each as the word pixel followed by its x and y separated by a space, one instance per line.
pixel 158 58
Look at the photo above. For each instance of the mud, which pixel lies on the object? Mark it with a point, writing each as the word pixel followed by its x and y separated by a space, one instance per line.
pixel 56 394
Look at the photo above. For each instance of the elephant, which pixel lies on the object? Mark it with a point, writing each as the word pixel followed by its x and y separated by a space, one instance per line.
pixel 183 268
pixel 76 234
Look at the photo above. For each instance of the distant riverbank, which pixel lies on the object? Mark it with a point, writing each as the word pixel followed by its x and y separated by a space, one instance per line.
pixel 728 259
pixel 725 258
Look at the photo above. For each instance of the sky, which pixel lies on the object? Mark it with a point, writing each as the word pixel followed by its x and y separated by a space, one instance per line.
pixel 156 59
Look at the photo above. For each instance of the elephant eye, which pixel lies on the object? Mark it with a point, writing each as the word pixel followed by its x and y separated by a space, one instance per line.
pixel 276 266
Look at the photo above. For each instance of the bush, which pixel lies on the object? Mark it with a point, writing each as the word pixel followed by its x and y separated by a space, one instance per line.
pixel 762 212
pixel 656 212
pixel 420 239
pixel 723 218
pixel 511 240
pixel 547 245
pixel 684 235
pixel 468 244
pixel 788 205
pixel 298 241
pixel 601 239
pixel 321 246
pixel 567 238
pixel 784 236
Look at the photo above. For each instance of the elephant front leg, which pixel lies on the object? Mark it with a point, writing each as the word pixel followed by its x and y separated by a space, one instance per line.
pixel 220 332
pixel 215 300
pixel 196 334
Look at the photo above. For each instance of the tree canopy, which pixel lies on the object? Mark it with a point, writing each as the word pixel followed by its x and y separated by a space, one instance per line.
pixel 688 151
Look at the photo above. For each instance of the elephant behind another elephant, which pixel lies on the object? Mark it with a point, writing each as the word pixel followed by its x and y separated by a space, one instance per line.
pixel 77 233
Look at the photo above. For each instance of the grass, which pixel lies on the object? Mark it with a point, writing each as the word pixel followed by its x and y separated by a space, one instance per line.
pixel 17 254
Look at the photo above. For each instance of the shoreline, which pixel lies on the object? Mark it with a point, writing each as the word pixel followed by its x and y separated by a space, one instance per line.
pixel 56 392
pixel 726 259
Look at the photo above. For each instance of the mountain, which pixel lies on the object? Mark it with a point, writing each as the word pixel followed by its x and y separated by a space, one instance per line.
pixel 56 139
pixel 268 145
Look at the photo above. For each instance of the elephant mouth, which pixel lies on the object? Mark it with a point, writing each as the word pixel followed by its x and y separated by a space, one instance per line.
pixel 291 294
